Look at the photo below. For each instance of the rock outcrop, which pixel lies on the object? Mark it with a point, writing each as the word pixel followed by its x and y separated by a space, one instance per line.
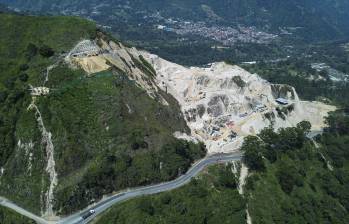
pixel 224 103
pixel 221 103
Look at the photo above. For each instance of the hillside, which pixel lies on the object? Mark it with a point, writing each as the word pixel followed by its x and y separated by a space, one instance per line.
pixel 291 180
pixel 210 198
pixel 317 20
pixel 198 32
pixel 221 103
pixel 84 115
pixel 68 138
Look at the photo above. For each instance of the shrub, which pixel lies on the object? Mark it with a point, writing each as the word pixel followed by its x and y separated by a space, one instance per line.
pixel 24 67
pixel 146 206
pixel 46 51
pixel 31 51
pixel 10 82
pixel 3 96
pixel 239 82
pixel 23 77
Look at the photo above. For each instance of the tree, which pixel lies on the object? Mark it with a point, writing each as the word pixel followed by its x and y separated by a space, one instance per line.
pixel 146 206
pixel 23 77
pixel 46 51
pixel 305 126
pixel 31 51
pixel 227 178
pixel 338 124
pixel 253 156
pixel 290 139
pixel 268 135
pixel 254 160
pixel 3 96
pixel 288 177
pixel 24 67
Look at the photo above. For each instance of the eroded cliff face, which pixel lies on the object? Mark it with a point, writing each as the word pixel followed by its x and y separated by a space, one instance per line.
pixel 224 103
pixel 98 55
pixel 221 103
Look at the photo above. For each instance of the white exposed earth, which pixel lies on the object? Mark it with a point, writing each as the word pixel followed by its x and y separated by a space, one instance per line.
pixel 221 103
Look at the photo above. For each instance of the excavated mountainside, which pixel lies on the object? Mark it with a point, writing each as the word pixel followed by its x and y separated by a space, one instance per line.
pixel 221 103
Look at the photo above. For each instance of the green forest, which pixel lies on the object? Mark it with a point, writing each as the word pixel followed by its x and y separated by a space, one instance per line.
pixel 107 133
pixel 210 198
pixel 301 182
pixel 291 180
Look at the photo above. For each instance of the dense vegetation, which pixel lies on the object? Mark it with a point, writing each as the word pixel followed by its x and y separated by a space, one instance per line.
pixel 112 136
pixel 292 180
pixel 211 198
pixel 107 133
pixel 10 217
pixel 299 181
pixel 24 42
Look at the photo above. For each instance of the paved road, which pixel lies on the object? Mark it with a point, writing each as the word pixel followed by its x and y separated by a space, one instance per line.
pixel 108 202
pixel 6 203
pixel 195 170
pixel 311 135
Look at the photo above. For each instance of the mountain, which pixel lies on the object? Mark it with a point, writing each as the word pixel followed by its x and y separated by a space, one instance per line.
pixel 3 8
pixel 84 115
pixel 68 138
pixel 310 19
pixel 197 32
pixel 300 182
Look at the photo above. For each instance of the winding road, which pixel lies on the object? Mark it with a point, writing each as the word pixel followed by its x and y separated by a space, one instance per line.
pixel 106 203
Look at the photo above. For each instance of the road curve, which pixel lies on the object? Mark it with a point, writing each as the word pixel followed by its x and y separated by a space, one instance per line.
pixel 108 202
pixel 103 205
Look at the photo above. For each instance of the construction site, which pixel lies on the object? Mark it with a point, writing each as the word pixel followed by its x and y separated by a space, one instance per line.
pixel 221 103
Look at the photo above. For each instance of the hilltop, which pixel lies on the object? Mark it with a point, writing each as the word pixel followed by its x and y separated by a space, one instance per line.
pixel 84 115
pixel 68 138
pixel 221 103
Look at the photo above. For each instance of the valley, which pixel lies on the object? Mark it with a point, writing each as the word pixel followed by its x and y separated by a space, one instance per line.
pixel 194 32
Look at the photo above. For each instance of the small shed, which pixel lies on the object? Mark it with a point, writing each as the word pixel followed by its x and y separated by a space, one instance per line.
pixel 282 101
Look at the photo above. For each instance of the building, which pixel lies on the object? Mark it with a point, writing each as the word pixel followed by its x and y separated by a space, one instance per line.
pixel 282 101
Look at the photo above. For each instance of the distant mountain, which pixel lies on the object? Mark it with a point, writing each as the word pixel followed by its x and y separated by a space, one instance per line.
pixel 309 19
pixel 3 8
